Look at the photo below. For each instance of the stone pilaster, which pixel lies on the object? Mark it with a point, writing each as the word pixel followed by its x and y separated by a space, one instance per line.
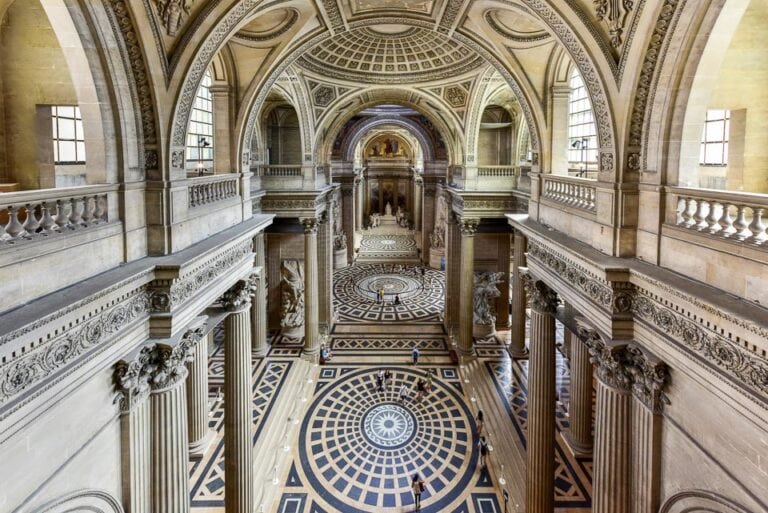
pixel 611 477
pixel 200 436
pixel 540 482
pixel 579 437
pixel 517 347
pixel 650 375
pixel 259 302
pixel 238 435
pixel 132 385
pixel 468 229
pixel 452 265
pixel 170 442
pixel 311 335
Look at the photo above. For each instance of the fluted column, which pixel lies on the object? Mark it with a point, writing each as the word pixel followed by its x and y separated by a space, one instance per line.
pixel 170 442
pixel 259 302
pixel 517 347
pixel 650 376
pixel 540 482
pixel 611 477
pixel 467 285
pixel 417 190
pixel 311 337
pixel 325 267
pixel 238 390
pixel 358 204
pixel 131 383
pixel 200 436
pixel 579 437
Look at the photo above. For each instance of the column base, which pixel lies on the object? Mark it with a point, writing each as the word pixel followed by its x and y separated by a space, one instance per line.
pixel 465 351
pixel 518 354
pixel 260 352
pixel 577 448
pixel 198 448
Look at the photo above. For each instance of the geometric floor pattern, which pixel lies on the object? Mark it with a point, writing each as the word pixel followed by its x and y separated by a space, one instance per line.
pixel 388 246
pixel 388 346
pixel 421 292
pixel 358 447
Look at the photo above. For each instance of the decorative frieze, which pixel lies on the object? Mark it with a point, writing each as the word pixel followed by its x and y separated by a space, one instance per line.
pixel 81 342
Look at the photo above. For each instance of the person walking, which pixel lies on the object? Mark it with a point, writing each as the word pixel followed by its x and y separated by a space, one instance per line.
pixel 387 378
pixel 479 422
pixel 397 299
pixel 415 355
pixel 417 486
pixel 483 446
pixel 380 381
pixel 428 387
pixel 420 390
pixel 404 393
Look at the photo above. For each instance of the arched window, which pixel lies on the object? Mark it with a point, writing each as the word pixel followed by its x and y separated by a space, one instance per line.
pixel 200 131
pixel 582 134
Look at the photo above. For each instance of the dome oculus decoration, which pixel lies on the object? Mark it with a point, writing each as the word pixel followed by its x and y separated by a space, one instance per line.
pixel 411 55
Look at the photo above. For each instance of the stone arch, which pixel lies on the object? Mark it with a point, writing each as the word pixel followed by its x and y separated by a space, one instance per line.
pixel 92 501
pixel 414 128
pixel 372 97
pixel 701 501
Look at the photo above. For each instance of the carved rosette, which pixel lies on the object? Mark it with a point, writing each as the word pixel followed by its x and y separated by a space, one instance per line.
pixel 650 376
pixel 468 227
pixel 238 297
pixel 309 224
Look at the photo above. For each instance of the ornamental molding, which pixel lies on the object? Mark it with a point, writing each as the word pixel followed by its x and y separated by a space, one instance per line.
pixel 287 204
pixel 169 294
pixel 82 343
pixel 732 358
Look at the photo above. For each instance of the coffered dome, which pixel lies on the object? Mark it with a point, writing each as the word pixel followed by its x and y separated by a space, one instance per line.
pixel 390 54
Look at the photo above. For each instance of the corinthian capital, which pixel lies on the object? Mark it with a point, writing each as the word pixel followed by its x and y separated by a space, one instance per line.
pixel 238 297
pixel 543 298
pixel 650 375
pixel 468 226
pixel 309 224
pixel 613 364
pixel 131 379
pixel 168 366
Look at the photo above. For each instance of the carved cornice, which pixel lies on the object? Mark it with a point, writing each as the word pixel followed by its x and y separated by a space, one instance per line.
pixel 169 294
pixel 79 343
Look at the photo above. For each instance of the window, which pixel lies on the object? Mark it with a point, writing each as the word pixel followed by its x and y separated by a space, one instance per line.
pixel 68 136
pixel 582 134
pixel 714 139
pixel 200 132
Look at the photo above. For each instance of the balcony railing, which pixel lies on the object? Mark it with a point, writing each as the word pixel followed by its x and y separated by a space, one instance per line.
pixel 28 215
pixel 735 216
pixel 572 192
pixel 498 171
pixel 210 189
pixel 281 170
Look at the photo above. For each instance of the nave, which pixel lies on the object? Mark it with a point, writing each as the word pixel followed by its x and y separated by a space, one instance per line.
pixel 328 440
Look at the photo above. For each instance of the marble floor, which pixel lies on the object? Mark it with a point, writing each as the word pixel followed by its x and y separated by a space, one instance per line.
pixel 327 440
pixel 388 247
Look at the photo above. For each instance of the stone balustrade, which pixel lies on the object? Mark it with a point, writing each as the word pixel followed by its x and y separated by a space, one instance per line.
pixel 281 170
pixel 210 189
pixel 735 216
pixel 572 192
pixel 498 171
pixel 33 214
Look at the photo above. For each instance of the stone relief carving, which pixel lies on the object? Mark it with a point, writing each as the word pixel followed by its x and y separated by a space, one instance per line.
pixel 172 14
pixel 614 13
pixel 340 241
pixel 437 237
pixel 292 294
pixel 485 293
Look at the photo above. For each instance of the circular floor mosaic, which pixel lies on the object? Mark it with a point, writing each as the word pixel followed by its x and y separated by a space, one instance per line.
pixel 388 243
pixel 354 293
pixel 359 448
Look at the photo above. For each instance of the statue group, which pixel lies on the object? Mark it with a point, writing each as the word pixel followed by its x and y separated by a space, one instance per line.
pixel 485 294
pixel 292 294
